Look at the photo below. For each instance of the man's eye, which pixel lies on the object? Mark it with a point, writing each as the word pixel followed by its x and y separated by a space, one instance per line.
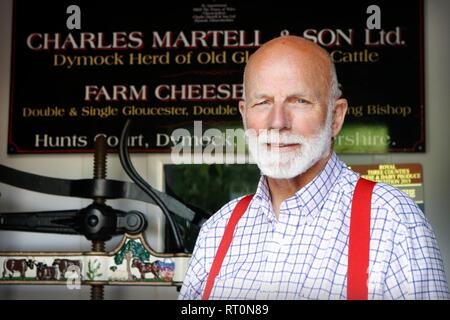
pixel 261 103
pixel 302 101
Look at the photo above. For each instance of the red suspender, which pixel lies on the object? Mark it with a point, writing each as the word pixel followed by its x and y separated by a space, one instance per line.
pixel 359 242
pixel 238 211
pixel 358 256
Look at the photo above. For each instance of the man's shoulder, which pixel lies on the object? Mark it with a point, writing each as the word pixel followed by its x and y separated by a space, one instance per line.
pixel 397 204
pixel 386 200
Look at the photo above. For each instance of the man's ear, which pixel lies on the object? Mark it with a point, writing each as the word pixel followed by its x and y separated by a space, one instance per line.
pixel 340 110
pixel 242 108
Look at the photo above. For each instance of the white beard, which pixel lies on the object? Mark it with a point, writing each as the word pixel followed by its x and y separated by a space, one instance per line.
pixel 288 164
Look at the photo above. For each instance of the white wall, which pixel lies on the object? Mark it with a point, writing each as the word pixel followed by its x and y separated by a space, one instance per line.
pixel 435 163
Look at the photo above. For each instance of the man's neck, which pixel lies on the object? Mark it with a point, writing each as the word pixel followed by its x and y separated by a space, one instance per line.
pixel 282 189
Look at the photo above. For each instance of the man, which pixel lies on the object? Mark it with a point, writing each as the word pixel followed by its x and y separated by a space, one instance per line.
pixel 292 242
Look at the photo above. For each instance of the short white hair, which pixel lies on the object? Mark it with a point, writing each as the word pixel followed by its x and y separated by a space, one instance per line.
pixel 335 91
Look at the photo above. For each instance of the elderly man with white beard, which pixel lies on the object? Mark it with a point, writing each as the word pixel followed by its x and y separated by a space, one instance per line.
pixel 313 229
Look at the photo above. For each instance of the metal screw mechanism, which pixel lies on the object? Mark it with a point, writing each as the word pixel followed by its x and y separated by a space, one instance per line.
pixel 97 291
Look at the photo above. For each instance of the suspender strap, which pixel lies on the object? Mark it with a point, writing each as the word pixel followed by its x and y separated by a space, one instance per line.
pixel 359 242
pixel 236 215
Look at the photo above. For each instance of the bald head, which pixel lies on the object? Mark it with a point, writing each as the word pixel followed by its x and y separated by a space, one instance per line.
pixel 299 55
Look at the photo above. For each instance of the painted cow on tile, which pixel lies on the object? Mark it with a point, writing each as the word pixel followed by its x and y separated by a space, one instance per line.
pixel 145 267
pixel 64 264
pixel 17 265
pixel 44 272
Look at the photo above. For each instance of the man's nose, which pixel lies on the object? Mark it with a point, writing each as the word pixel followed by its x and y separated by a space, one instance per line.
pixel 279 118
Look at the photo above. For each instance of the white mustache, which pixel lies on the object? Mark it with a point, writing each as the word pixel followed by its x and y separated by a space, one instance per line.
pixel 274 137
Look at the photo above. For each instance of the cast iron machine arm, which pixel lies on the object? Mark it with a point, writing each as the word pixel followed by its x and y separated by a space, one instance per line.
pixel 98 222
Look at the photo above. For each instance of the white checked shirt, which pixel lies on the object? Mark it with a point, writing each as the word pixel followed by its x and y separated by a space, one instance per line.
pixel 304 254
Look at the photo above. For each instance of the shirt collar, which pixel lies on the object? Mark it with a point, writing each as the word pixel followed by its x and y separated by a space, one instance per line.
pixel 311 198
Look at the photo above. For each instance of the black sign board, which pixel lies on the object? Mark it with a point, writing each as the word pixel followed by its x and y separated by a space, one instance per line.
pixel 169 63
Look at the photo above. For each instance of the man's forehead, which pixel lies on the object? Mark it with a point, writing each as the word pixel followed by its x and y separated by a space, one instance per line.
pixel 286 79
pixel 267 91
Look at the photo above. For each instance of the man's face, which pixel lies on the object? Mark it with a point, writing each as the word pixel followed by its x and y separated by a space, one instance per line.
pixel 286 112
